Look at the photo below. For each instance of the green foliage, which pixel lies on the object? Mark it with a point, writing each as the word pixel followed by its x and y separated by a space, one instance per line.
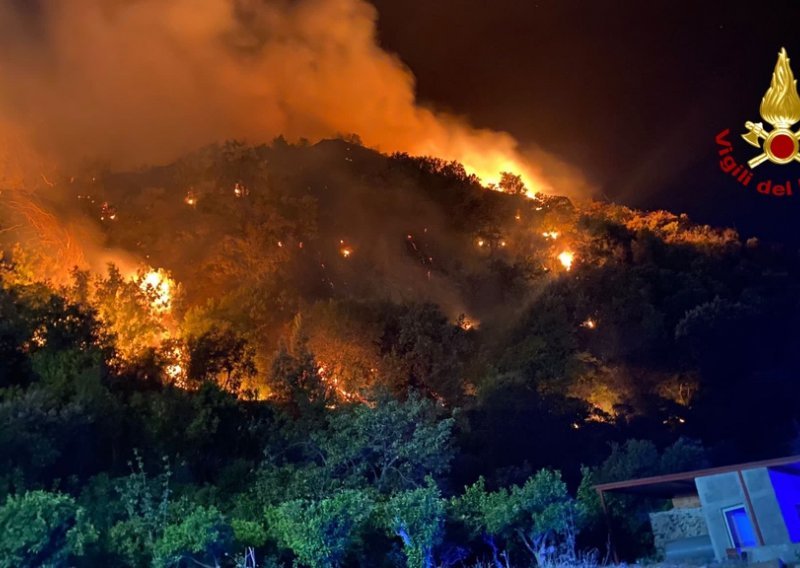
pixel 417 516
pixel 641 458
pixel 146 503
pixel 320 533
pixel 631 460
pixel 393 445
pixel 485 512
pixel 40 530
pixel 249 533
pixel 35 428
pixel 199 537
pixel 540 513
pixel 545 505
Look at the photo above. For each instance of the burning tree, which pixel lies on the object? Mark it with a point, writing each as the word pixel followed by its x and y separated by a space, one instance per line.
pixel 512 183
pixel 136 311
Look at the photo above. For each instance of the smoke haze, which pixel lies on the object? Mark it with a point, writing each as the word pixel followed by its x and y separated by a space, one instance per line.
pixel 142 81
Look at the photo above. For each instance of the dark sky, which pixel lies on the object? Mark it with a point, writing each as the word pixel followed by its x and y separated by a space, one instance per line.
pixel 632 93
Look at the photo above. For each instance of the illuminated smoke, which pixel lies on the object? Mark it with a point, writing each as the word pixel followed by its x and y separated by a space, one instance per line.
pixel 143 81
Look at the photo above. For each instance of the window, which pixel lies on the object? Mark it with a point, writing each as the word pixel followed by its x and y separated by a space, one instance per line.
pixel 740 528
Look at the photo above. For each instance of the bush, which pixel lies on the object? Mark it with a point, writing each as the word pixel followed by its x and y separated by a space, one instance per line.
pixel 39 529
pixel 320 533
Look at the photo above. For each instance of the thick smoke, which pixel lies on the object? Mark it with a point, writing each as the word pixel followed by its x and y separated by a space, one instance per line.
pixel 142 81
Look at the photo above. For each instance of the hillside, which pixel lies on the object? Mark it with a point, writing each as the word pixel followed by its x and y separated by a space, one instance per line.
pixel 269 306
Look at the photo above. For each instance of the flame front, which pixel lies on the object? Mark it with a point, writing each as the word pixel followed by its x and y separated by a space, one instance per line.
pixel 566 259
pixel 158 287
pixel 781 104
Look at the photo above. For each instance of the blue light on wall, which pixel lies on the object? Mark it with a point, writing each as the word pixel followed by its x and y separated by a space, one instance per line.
pixel 787 491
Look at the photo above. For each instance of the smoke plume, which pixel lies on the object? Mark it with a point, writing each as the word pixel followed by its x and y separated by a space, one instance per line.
pixel 142 81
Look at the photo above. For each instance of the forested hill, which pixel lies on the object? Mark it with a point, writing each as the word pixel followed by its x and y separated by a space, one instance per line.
pixel 311 330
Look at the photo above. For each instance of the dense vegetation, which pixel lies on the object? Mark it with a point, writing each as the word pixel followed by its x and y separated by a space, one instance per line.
pixel 371 360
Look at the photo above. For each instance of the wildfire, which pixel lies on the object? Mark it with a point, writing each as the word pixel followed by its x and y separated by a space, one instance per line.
pixel 566 259
pixel 176 368
pixel 347 251
pixel 489 168
pixel 333 385
pixel 51 234
pixel 239 190
pixel 467 323
pixel 39 337
pixel 553 235
pixel 158 287
pixel 108 212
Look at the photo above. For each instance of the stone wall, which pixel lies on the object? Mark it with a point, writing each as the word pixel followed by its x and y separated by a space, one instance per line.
pixel 686 501
pixel 676 524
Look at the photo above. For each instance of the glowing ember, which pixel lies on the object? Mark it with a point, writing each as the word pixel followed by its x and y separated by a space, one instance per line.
pixel 239 190
pixel 333 385
pixel 107 212
pixel 566 259
pixel 190 199
pixel 346 252
pixel 39 337
pixel 467 323
pixel 589 323
pixel 550 235
pixel 481 242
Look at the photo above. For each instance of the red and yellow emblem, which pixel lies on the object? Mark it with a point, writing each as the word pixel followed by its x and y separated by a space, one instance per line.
pixel 780 107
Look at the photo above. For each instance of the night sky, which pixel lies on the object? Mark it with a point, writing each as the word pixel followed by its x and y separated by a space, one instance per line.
pixel 632 93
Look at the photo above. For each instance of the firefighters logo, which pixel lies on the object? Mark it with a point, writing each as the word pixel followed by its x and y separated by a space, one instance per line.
pixel 780 107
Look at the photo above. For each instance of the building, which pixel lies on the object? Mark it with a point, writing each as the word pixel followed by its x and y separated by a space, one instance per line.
pixel 749 511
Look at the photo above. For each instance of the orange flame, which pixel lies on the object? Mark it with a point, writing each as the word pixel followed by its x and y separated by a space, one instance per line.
pixel 566 259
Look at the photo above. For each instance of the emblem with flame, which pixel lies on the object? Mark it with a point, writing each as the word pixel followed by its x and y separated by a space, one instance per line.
pixel 780 106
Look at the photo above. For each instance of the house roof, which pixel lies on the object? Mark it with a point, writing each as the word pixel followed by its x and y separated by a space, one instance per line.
pixel 675 484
